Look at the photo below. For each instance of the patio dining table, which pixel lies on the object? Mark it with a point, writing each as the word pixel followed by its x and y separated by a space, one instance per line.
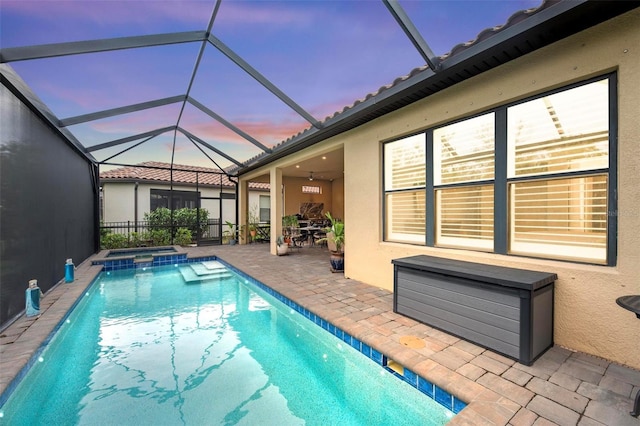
pixel 311 231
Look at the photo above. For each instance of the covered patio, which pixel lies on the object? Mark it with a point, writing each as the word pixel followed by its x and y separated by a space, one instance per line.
pixel 562 386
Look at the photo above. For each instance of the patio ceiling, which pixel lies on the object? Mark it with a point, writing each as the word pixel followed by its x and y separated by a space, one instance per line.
pixel 233 85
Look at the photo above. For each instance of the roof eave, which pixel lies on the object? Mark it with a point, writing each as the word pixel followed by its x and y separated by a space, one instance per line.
pixel 130 180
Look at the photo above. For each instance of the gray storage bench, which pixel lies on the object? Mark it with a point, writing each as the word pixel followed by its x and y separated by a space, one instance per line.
pixel 507 310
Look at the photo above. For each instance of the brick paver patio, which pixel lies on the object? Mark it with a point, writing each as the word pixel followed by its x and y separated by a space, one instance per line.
pixel 562 387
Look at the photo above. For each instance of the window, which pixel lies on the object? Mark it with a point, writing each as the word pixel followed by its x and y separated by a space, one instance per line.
pixel 559 146
pixel 181 199
pixel 533 178
pixel 463 158
pixel 308 189
pixel 265 208
pixel 405 180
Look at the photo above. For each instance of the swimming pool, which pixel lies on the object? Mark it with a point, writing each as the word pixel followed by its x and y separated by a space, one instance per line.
pixel 223 352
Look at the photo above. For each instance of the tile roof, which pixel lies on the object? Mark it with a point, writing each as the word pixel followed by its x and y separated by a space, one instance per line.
pixel 517 17
pixel 154 171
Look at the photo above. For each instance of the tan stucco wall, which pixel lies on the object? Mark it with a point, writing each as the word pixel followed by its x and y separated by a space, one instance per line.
pixel 586 315
pixel 337 198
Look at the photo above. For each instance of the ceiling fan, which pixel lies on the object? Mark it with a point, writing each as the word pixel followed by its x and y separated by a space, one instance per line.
pixel 311 177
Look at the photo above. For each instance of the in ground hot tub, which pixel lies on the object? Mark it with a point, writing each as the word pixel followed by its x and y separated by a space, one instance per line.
pixel 140 257
pixel 142 252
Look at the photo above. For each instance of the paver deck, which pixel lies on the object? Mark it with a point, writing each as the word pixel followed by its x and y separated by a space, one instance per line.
pixel 562 387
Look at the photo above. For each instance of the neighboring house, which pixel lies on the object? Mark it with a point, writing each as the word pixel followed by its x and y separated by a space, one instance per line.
pixel 127 193
pixel 504 155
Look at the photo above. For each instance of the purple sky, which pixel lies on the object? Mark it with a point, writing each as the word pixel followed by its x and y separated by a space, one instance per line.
pixel 323 54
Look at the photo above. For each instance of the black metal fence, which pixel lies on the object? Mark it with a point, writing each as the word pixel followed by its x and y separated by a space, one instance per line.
pixel 142 232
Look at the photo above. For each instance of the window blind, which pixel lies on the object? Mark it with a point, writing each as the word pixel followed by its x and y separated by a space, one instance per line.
pixel 464 151
pixel 405 163
pixel 465 217
pixel 562 132
pixel 563 217
pixel 405 214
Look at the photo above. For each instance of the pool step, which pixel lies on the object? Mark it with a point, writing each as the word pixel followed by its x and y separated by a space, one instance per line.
pixel 211 265
pixel 205 271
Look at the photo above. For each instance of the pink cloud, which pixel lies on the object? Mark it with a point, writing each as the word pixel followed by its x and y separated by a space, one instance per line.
pixel 266 132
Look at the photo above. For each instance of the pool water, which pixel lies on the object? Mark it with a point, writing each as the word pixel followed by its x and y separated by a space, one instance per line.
pixel 161 347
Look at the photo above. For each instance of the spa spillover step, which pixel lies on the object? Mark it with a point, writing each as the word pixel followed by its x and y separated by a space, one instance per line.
pixel 195 273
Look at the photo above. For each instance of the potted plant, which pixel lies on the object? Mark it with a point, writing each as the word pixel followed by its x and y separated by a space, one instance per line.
pixel 335 243
pixel 230 234
pixel 253 223
pixel 288 223
pixel 282 247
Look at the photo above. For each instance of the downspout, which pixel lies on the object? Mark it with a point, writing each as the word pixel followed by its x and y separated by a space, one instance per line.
pixel 237 211
pixel 94 170
pixel 197 210
pixel 171 192
pixel 235 182
pixel 135 207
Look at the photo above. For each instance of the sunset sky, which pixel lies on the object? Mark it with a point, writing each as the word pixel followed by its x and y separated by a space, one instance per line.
pixel 322 54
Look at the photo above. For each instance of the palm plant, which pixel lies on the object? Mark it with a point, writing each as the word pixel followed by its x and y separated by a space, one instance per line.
pixel 335 232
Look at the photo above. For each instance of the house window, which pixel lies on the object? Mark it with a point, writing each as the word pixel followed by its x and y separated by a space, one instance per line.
pixel 265 208
pixel 181 199
pixel 404 183
pixel 535 178
pixel 558 147
pixel 308 189
pixel 463 167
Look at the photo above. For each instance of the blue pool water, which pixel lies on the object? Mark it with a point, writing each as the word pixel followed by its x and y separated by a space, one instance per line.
pixel 163 346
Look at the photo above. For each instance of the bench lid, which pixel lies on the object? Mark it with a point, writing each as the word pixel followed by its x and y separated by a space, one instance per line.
pixel 499 275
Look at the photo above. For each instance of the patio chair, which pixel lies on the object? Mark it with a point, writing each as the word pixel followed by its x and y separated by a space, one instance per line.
pixel 322 236
pixel 297 238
